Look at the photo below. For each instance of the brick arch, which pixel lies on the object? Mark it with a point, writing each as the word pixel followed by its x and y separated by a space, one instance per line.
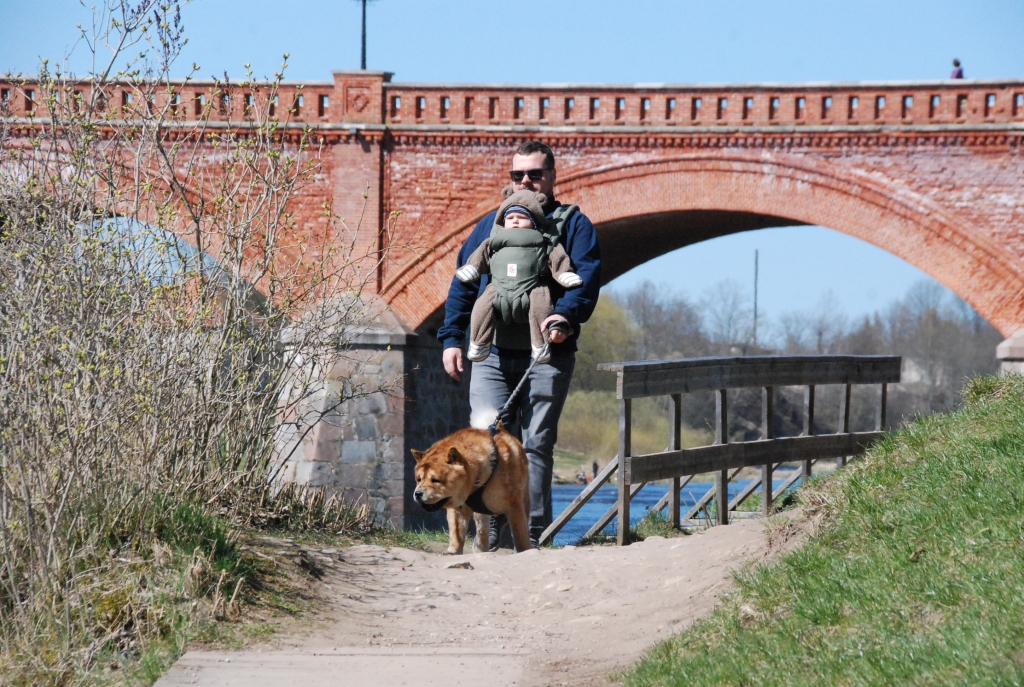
pixel 645 209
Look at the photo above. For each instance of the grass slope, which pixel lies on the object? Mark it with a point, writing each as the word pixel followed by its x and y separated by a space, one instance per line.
pixel 916 575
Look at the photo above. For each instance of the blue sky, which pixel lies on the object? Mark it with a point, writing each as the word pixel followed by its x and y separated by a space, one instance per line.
pixel 593 41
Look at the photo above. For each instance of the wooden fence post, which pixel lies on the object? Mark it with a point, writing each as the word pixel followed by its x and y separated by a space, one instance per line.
pixel 844 414
pixel 767 434
pixel 808 424
pixel 625 451
pixel 722 437
pixel 881 407
pixel 675 443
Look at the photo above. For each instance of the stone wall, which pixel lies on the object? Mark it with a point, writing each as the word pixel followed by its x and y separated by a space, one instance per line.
pixel 397 397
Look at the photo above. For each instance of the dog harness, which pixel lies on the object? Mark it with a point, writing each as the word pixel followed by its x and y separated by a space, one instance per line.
pixel 476 499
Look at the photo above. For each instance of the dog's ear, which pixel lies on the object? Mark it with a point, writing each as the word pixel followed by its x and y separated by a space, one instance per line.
pixel 454 457
pixel 500 427
pixel 418 455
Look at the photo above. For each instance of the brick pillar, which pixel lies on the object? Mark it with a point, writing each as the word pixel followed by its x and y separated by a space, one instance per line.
pixel 360 449
pixel 1011 353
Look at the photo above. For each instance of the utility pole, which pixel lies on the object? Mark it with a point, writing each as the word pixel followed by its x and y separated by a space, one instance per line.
pixel 755 297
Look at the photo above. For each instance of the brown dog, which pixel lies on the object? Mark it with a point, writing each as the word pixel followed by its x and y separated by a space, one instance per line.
pixel 471 472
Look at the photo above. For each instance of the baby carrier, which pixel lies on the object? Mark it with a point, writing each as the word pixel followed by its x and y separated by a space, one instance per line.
pixel 518 259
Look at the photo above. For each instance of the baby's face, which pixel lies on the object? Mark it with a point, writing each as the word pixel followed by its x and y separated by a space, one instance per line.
pixel 517 220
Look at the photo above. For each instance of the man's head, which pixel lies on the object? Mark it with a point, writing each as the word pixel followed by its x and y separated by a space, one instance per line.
pixel 533 168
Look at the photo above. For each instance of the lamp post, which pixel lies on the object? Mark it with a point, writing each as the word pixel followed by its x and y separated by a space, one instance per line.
pixel 362 61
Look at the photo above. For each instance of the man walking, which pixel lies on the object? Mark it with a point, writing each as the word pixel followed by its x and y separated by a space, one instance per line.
pixel 534 417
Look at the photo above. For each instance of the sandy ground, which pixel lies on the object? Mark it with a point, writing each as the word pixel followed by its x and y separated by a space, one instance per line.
pixel 571 616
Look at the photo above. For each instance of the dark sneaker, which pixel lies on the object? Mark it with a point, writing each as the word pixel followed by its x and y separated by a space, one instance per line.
pixel 498 523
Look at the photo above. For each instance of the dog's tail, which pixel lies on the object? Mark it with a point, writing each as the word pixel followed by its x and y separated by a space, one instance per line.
pixel 482 419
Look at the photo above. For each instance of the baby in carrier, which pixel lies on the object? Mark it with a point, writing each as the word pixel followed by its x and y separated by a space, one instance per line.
pixel 522 254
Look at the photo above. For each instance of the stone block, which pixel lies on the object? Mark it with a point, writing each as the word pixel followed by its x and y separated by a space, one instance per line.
pixel 391 424
pixel 352 475
pixel 1012 367
pixel 1012 348
pixel 366 428
pixel 314 473
pixel 375 404
pixel 358 452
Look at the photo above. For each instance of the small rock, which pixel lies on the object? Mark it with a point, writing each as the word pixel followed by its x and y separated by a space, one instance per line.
pixel 465 565
pixel 563 588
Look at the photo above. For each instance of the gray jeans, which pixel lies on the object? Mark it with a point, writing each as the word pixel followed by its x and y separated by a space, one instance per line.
pixel 536 414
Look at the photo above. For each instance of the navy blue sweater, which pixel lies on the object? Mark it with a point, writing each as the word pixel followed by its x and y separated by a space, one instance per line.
pixel 575 305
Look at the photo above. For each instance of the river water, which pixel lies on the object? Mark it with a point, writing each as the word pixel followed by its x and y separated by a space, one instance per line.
pixel 563 494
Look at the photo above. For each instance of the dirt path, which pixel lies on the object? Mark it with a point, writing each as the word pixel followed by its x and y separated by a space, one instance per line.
pixel 569 616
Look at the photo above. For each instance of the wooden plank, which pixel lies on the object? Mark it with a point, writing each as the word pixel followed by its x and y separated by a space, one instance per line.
pixel 703 501
pixel 767 433
pixel 656 378
pixel 574 507
pixel 808 423
pixel 717 457
pixel 625 449
pixel 675 444
pixel 844 414
pixel 664 500
pixel 797 474
pixel 610 514
pixel 722 496
pixel 748 490
pixel 722 436
pixel 882 402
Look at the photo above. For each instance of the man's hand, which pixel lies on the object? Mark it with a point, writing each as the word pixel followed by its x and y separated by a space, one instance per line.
pixel 452 358
pixel 554 336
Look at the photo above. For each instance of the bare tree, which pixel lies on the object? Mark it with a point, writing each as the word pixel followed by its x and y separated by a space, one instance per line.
pixel 163 316
pixel 669 325
pixel 728 314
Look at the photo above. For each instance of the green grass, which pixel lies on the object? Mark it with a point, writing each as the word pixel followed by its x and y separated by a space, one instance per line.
pixel 916 575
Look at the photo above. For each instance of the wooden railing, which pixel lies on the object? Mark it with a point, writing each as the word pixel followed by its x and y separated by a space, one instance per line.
pixel 673 378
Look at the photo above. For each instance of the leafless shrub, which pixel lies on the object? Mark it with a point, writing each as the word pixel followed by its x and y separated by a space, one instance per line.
pixel 163 313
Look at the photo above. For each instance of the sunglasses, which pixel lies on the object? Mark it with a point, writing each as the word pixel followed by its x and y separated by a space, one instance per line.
pixel 534 174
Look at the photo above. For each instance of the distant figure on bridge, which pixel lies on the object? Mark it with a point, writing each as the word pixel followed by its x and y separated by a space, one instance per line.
pixel 535 416
pixel 958 71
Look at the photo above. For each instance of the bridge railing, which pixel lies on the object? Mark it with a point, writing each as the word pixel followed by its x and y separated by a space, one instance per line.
pixel 673 378
pixel 757 105
pixel 370 98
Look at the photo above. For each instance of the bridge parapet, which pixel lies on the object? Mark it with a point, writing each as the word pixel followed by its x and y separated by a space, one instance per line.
pixel 369 98
pixel 760 105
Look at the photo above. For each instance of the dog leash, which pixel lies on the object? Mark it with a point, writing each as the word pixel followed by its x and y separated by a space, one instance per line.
pixel 493 429
pixel 476 499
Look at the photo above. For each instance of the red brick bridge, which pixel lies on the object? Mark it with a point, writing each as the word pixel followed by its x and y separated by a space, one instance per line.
pixel 932 172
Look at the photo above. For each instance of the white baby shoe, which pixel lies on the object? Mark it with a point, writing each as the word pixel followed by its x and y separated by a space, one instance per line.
pixel 569 280
pixel 468 273
pixel 478 353
pixel 542 354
